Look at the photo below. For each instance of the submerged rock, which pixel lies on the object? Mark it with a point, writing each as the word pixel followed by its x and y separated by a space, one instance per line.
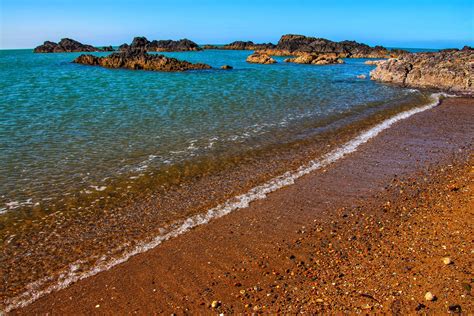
pixel 445 70
pixel 316 59
pixel 161 46
pixel 139 60
pixel 67 45
pixel 260 58
pixel 227 67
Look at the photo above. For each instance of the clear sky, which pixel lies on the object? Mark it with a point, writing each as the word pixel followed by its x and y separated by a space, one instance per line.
pixel 402 23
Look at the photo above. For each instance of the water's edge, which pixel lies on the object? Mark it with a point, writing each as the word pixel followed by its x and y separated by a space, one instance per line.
pixel 71 274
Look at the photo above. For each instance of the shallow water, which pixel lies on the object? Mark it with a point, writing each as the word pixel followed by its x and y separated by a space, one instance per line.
pixel 66 127
pixel 89 152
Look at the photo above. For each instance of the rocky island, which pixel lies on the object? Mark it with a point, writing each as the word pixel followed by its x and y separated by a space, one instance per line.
pixel 248 45
pixel 182 45
pixel 67 45
pixel 139 59
pixel 294 45
pixel 449 70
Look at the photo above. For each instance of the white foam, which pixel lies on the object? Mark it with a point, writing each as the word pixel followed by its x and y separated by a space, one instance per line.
pixel 72 274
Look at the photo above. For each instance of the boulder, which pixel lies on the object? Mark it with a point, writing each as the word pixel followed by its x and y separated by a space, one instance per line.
pixel 451 70
pixel 227 67
pixel 373 62
pixel 66 45
pixel 139 59
pixel 260 58
pixel 316 59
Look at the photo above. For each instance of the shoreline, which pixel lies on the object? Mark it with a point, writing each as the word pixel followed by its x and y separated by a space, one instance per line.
pixel 134 266
pixel 64 246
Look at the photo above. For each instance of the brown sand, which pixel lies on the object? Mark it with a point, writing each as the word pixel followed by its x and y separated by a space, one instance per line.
pixel 366 234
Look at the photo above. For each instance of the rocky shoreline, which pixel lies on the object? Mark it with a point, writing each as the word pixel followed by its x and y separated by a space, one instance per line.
pixel 449 70
pixel 67 45
pixel 138 59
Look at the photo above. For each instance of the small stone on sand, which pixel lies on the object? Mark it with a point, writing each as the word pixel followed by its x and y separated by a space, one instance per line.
pixel 215 304
pixel 447 260
pixel 429 296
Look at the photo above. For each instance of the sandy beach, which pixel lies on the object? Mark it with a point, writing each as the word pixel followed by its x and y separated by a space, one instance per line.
pixel 374 232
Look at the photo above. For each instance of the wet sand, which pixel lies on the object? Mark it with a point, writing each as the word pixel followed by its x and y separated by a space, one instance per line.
pixel 367 233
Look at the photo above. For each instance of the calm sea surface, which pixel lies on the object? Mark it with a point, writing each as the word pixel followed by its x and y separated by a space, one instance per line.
pixel 73 136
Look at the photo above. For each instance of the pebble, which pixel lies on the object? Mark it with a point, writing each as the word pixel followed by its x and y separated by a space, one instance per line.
pixel 429 296
pixel 215 304
pixel 447 260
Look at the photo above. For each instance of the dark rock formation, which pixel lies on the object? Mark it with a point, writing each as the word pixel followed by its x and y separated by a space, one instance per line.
pixel 161 46
pixel 293 45
pixel 207 46
pixel 260 58
pixel 138 59
pixel 108 49
pixel 451 70
pixel 67 45
pixel 316 59
pixel 240 45
pixel 227 67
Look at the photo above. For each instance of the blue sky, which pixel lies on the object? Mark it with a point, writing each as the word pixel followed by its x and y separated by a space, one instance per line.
pixel 427 24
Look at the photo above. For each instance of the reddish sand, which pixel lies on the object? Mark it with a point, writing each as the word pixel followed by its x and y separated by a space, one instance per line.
pixel 367 234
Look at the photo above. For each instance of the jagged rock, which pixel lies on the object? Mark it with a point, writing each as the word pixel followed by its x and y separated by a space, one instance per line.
pixel 67 45
pixel 445 70
pixel 293 44
pixel 249 45
pixel 108 49
pixel 123 47
pixel 161 46
pixel 138 59
pixel 260 58
pixel 316 59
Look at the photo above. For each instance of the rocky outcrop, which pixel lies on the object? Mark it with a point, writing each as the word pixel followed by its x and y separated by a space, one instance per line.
pixel 249 45
pixel 67 45
pixel 292 45
pixel 451 70
pixel 138 59
pixel 143 43
pixel 316 59
pixel 207 46
pixel 107 49
pixel 373 62
pixel 260 58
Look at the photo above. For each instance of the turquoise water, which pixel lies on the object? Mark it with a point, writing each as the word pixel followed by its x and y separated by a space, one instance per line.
pixel 97 161
pixel 68 128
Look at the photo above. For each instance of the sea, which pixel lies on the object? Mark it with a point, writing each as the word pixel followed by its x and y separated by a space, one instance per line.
pixel 98 165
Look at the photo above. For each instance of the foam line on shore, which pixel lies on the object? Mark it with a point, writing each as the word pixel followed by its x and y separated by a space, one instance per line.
pixel 72 275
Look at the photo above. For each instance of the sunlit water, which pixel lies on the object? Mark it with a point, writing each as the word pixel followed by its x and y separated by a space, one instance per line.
pixel 67 128
pixel 96 163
